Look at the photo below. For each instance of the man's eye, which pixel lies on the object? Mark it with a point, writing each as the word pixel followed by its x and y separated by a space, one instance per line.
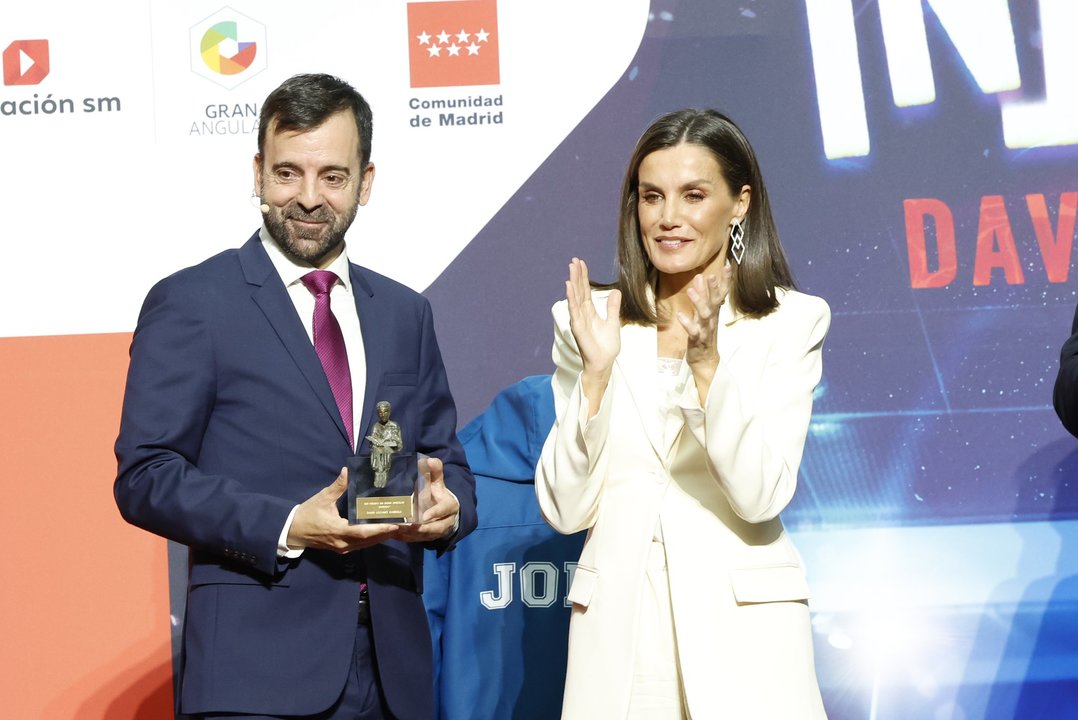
pixel 334 180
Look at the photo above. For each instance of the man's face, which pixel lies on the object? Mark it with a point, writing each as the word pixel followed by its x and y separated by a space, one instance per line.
pixel 313 185
pixel 383 413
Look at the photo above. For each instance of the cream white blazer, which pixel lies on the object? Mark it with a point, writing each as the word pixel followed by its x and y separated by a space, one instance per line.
pixel 716 477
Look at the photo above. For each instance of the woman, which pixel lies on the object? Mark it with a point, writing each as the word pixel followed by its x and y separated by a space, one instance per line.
pixel 683 395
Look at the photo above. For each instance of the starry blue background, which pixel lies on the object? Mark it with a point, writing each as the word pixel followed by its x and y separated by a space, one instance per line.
pixel 935 405
pixel 934 413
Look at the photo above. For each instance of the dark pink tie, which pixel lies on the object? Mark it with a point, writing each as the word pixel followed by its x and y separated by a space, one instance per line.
pixel 329 344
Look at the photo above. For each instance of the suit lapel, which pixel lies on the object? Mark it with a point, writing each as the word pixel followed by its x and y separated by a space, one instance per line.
pixel 371 325
pixel 731 323
pixel 637 362
pixel 272 298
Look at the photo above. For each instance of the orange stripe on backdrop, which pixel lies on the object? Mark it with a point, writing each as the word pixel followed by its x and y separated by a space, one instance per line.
pixel 84 608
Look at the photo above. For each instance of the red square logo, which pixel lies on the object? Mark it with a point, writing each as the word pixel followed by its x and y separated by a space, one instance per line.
pixel 453 43
pixel 26 62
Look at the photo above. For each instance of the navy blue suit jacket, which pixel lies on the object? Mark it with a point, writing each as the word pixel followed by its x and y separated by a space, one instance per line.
pixel 228 422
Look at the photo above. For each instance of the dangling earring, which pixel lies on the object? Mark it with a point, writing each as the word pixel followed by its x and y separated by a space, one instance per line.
pixel 737 244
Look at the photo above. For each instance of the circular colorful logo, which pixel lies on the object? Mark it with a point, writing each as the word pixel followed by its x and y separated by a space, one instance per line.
pixel 223 52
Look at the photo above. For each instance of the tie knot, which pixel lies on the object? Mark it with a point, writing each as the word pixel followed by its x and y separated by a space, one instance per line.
pixel 319 281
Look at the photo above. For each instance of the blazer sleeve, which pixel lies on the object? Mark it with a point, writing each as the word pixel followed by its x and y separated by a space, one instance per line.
pixel 168 404
pixel 757 410
pixel 439 432
pixel 572 465
pixel 1065 394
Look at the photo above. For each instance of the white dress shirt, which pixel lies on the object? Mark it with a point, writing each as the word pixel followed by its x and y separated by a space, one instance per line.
pixel 343 305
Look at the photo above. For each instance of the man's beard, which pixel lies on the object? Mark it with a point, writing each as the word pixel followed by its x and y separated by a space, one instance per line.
pixel 308 245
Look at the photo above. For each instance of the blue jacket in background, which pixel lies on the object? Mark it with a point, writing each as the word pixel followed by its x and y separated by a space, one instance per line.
pixel 496 604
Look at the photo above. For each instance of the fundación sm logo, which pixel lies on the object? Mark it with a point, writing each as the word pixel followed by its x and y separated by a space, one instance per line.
pixel 228 48
pixel 453 43
pixel 26 62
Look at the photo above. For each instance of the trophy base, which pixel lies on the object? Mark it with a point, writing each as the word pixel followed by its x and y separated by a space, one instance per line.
pixel 400 494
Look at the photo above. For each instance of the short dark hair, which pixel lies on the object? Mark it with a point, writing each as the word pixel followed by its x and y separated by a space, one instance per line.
pixel 763 267
pixel 304 102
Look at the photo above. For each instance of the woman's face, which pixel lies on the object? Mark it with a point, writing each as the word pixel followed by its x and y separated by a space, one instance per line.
pixel 686 209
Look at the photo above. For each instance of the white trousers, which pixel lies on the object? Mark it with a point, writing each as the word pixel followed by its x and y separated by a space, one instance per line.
pixel 657 692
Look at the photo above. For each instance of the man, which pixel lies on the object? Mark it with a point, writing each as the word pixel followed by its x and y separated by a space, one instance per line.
pixel 253 377
pixel 1065 393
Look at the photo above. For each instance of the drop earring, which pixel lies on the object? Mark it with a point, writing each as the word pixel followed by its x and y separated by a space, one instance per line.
pixel 737 240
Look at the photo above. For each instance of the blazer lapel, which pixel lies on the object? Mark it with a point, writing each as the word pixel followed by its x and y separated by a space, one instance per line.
pixel 731 323
pixel 637 362
pixel 272 298
pixel 372 326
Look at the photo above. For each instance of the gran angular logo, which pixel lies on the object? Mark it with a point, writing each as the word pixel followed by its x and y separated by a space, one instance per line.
pixel 26 62
pixel 453 43
pixel 228 48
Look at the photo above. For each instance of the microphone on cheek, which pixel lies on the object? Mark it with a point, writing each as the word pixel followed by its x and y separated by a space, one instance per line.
pixel 256 200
